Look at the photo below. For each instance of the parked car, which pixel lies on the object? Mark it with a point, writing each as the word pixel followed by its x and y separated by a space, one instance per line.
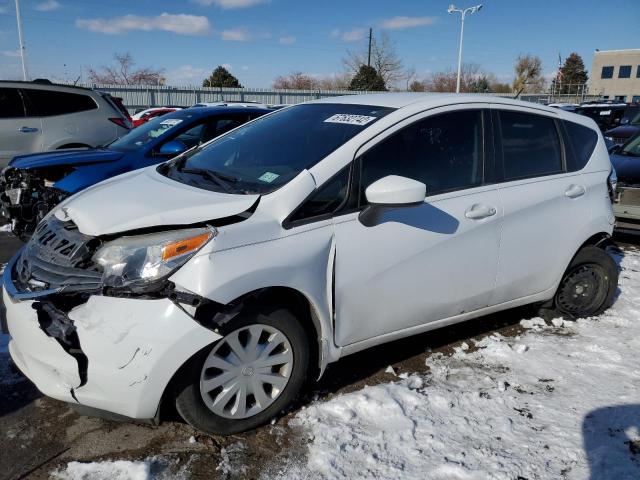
pixel 33 184
pixel 607 114
pixel 41 116
pixel 150 113
pixel 626 161
pixel 222 280
pixel 229 104
pixel 569 107
pixel 629 126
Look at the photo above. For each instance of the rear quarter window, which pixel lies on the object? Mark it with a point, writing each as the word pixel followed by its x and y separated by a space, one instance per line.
pixel 47 103
pixel 582 142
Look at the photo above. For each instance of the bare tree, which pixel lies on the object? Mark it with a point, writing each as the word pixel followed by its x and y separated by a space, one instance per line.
pixel 296 81
pixel 410 77
pixel 335 82
pixel 124 73
pixel 383 58
pixel 528 70
pixel 446 81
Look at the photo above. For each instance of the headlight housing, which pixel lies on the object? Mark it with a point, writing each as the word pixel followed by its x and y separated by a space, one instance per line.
pixel 139 261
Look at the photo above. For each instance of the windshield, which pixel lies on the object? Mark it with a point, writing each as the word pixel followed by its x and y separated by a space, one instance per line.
pixel 632 148
pixel 633 115
pixel 148 132
pixel 263 155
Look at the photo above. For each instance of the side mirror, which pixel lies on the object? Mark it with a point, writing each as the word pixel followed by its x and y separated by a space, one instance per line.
pixel 394 190
pixel 172 148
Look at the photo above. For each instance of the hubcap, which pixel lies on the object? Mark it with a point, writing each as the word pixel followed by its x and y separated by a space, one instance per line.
pixel 583 290
pixel 246 371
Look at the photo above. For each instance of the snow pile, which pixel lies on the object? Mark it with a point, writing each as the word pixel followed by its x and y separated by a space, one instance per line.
pixel 152 468
pixel 117 470
pixel 559 401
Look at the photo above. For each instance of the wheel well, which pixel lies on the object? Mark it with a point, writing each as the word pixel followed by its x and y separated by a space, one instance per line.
pixel 280 296
pixel 73 145
pixel 601 239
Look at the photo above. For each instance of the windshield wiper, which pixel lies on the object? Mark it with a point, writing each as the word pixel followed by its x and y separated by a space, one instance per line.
pixel 219 179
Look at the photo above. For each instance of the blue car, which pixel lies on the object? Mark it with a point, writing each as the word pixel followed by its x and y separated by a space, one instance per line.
pixel 31 185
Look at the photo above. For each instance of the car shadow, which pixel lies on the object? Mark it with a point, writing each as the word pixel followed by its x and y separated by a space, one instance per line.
pixel 611 437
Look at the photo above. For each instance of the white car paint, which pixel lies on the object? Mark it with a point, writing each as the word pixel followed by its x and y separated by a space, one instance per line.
pixel 486 249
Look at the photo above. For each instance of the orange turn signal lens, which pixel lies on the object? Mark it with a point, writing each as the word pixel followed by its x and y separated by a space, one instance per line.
pixel 181 247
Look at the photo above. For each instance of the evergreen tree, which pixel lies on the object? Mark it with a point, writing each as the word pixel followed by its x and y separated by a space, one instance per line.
pixel 573 75
pixel 221 77
pixel 367 78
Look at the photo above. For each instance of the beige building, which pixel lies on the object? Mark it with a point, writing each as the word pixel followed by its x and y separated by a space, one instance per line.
pixel 615 74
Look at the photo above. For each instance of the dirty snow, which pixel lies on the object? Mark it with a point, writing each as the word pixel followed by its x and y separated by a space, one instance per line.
pixel 6 227
pixel 559 401
pixel 152 468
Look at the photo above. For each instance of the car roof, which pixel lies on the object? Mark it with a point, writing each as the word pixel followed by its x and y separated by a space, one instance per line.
pixel 205 111
pixel 42 84
pixel 429 100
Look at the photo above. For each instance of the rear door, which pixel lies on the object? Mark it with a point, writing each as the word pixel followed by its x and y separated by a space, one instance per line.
pixel 544 205
pixel 18 134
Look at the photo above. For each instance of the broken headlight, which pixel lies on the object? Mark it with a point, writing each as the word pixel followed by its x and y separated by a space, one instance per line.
pixel 137 261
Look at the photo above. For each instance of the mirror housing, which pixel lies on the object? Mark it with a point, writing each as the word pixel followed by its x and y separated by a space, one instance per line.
pixel 172 148
pixel 394 190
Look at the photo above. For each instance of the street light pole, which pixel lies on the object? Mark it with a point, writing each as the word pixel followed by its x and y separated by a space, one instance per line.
pixel 463 12
pixel 23 52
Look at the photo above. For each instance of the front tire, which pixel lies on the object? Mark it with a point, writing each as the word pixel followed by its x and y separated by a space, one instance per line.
pixel 248 376
pixel 588 286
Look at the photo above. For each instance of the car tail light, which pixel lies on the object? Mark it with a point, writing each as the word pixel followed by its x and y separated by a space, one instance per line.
pixel 121 122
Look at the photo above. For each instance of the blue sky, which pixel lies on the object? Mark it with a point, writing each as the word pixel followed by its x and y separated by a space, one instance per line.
pixel 261 39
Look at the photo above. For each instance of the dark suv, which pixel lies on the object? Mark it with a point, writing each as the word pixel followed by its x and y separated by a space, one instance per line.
pixel 628 127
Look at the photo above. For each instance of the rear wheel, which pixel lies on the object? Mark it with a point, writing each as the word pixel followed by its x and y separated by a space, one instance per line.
pixel 248 376
pixel 588 286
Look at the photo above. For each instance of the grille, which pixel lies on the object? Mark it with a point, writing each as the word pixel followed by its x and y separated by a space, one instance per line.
pixel 58 256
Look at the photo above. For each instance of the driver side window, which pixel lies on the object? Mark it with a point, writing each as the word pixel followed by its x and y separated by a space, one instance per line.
pixel 445 152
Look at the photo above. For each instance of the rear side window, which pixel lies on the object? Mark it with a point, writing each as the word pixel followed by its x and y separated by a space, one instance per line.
pixel 11 103
pixel 47 103
pixel 530 145
pixel 582 141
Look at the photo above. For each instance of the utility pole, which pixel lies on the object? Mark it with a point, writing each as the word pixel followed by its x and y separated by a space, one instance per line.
pixel 370 40
pixel 23 52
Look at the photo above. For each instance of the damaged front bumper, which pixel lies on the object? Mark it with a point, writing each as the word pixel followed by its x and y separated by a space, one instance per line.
pixel 132 347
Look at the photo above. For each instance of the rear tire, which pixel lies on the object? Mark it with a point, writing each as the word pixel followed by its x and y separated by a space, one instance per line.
pixel 588 286
pixel 208 409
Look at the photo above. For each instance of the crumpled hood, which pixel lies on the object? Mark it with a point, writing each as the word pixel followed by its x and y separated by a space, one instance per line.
pixel 65 157
pixel 627 168
pixel 144 198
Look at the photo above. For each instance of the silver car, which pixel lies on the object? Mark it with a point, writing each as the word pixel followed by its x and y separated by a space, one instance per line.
pixel 41 116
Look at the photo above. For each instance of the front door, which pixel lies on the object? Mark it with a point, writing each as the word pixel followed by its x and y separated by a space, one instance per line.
pixel 428 262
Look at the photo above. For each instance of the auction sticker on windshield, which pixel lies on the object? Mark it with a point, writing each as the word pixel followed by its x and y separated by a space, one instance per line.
pixel 350 119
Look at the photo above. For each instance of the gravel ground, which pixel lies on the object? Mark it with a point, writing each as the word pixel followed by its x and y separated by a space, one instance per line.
pixel 40 436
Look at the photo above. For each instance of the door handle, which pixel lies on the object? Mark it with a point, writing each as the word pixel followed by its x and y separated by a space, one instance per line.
pixel 575 191
pixel 28 129
pixel 478 211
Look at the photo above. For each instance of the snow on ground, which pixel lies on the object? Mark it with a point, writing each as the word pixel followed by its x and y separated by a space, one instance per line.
pixel 559 401
pixel 5 228
pixel 152 468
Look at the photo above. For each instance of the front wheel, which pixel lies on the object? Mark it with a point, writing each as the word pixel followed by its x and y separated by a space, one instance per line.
pixel 252 373
pixel 588 286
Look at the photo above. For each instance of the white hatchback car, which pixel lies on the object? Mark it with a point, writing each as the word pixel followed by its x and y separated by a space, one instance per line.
pixel 223 279
pixel 41 116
